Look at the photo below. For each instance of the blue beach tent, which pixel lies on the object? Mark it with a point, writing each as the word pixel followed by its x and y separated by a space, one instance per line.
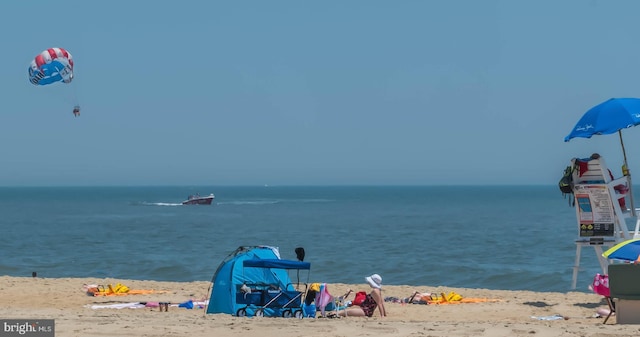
pixel 231 274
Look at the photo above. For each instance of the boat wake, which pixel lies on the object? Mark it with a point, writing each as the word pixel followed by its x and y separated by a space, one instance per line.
pixel 271 202
pixel 248 202
pixel 144 203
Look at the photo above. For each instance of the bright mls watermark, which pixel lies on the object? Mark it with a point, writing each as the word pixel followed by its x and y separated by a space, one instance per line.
pixel 27 327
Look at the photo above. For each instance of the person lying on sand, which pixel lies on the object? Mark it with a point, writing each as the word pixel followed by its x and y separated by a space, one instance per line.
pixel 415 298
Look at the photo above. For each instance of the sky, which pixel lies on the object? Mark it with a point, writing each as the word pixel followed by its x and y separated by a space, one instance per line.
pixel 313 92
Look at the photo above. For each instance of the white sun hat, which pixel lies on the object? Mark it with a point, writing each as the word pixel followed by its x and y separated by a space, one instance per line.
pixel 375 281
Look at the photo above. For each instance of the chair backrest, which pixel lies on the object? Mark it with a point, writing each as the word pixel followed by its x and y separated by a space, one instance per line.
pixel 591 171
pixel 624 281
pixel 324 299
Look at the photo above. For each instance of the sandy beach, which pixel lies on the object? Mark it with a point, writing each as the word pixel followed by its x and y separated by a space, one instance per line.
pixel 508 314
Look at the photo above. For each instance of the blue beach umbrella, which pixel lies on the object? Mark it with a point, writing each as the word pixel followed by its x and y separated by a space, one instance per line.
pixel 626 250
pixel 609 117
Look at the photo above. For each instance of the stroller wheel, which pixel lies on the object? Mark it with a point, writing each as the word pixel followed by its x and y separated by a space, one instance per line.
pixel 241 312
pixel 298 314
pixel 260 313
pixel 287 314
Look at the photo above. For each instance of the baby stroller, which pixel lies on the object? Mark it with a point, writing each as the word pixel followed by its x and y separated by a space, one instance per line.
pixel 272 299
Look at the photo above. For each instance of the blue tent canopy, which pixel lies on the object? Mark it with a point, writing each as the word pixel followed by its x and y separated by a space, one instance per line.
pixel 231 274
pixel 276 264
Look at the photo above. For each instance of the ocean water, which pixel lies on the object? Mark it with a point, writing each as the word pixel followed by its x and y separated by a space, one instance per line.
pixel 495 237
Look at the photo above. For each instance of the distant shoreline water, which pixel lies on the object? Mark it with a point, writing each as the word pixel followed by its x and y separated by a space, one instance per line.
pixel 495 237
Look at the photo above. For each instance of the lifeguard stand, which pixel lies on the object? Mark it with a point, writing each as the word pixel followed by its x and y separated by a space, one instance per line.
pixel 602 209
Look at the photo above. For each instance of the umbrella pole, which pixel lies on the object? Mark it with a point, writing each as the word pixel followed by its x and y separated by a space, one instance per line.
pixel 628 175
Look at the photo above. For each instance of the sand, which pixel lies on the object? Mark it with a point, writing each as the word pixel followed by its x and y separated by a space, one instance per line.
pixel 65 301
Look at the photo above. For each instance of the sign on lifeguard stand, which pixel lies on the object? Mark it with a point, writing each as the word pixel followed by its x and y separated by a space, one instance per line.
pixel 601 209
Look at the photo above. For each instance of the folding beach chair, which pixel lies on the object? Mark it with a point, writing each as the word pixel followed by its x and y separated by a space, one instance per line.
pixel 600 286
pixel 325 302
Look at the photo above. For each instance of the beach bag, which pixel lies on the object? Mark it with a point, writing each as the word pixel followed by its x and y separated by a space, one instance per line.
pixel 566 182
pixel 360 297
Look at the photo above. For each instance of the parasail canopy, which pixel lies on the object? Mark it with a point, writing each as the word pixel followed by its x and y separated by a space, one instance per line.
pixel 51 66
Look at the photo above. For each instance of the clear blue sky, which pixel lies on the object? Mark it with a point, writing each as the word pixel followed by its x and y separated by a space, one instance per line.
pixel 323 92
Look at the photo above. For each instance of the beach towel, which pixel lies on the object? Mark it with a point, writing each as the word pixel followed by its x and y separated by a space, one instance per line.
pixel 442 298
pixel 130 292
pixel 188 304
pixel 555 317
pixel 600 285
pixel 131 305
pixel 455 298
pixel 323 298
pixel 117 290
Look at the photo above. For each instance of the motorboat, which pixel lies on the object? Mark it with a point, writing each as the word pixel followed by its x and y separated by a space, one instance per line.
pixel 197 199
